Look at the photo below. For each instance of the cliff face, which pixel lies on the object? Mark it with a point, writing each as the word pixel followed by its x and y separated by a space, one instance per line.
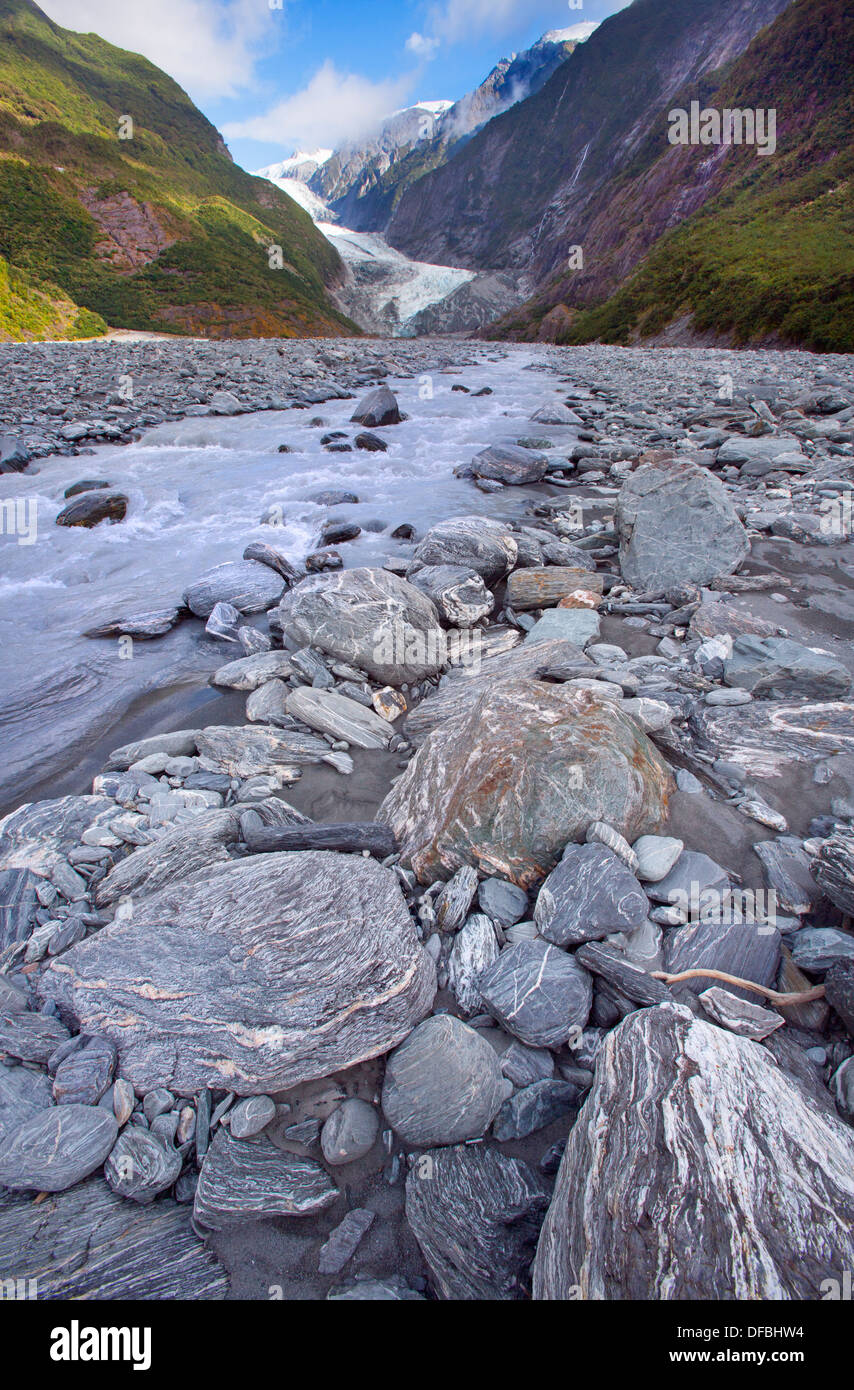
pixel 719 243
pixel 117 196
pixel 524 188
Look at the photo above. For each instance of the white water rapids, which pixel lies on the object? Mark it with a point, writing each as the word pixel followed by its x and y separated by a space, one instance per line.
pixel 197 490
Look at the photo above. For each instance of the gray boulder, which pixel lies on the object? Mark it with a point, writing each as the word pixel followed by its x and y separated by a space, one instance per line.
pixel 18 905
pixel 462 686
pixel 780 668
pixel 369 618
pixel 507 463
pixel 57 1147
pixel 504 902
pixel 91 1244
pixel 91 508
pixel 379 407
pixel 533 1108
pixel 523 771
pixel 475 1214
pixel 23 1094
pixel 459 593
pixel 677 525
pixel 750 950
pixel 335 714
pixel 443 1084
pixel 250 1179
pixel 350 1132
pixel 474 950
pixel 690 1137
pixel 140 1167
pixel 488 547
pixel 588 895
pixel 251 672
pixel 538 993
pixel 246 585
pixel 260 973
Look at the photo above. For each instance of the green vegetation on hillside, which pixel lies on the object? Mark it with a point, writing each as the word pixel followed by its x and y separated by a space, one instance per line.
pixel 770 255
pixel 161 231
pixel 32 312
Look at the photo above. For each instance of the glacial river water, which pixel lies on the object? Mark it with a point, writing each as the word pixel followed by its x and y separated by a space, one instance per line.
pixel 197 490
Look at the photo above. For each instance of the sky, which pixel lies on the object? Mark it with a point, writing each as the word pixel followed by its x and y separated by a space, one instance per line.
pixel 280 75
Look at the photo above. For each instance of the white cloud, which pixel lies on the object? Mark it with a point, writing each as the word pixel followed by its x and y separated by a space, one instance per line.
pixel 422 47
pixel 461 19
pixel 335 106
pixel 209 46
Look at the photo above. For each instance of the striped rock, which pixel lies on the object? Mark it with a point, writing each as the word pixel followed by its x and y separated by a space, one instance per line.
pixel 698 1169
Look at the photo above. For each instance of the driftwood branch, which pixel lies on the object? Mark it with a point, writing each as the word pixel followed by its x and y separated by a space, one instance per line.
pixel 350 838
pixel 804 996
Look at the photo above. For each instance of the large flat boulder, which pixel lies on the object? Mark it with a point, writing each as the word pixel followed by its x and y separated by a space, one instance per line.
pixel 677 525
pixel 249 1179
pixel 698 1169
pixel 90 1243
pixel 257 750
pixel 527 768
pixel 252 975
pixel 370 618
pixel 335 714
pixel 462 686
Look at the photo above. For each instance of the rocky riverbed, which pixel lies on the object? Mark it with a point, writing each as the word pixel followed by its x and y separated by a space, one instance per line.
pixel 390 728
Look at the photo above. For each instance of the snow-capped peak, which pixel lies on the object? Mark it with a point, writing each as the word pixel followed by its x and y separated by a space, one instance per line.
pixel 575 33
pixel 302 163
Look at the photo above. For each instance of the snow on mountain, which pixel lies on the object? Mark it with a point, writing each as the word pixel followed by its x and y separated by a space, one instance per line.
pixel 300 192
pixel 301 165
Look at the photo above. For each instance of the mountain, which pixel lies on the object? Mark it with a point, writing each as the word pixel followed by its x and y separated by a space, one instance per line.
pixel 518 193
pixel 347 179
pixel 143 222
pixel 292 177
pixel 722 243
pixel 363 181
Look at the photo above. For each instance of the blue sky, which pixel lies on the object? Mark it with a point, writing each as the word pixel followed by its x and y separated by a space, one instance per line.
pixel 276 75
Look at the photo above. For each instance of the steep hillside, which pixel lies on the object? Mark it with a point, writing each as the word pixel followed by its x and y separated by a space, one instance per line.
pixel 720 241
pixel 509 197
pixel 363 181
pixel 32 311
pixel 157 231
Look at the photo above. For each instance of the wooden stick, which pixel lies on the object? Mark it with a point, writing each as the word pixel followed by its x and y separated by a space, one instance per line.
pixel 805 996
